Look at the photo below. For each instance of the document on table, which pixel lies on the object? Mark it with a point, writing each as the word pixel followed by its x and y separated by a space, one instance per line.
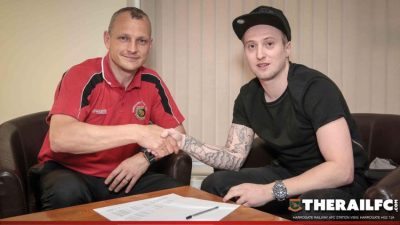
pixel 171 207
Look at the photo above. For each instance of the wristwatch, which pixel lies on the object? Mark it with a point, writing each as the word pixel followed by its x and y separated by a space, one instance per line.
pixel 279 190
pixel 149 156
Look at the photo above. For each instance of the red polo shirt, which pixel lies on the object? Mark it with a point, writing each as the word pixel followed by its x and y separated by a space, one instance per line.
pixel 90 93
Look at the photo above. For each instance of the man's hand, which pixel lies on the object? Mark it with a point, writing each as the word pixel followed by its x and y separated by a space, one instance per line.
pixel 251 195
pixel 153 140
pixel 174 134
pixel 150 137
pixel 127 173
pixel 173 140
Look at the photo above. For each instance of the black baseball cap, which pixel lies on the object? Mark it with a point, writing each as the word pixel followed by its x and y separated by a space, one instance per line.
pixel 262 15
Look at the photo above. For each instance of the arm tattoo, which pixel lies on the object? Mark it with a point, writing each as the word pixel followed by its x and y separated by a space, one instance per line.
pixel 231 156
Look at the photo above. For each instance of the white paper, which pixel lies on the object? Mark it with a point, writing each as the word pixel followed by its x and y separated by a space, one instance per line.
pixel 171 207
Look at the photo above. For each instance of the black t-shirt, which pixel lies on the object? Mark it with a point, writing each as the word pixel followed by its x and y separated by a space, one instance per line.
pixel 289 124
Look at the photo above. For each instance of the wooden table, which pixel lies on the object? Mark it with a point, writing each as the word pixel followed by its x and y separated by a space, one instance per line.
pixel 85 212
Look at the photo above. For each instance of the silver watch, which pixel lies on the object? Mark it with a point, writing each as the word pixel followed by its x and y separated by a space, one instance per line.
pixel 279 190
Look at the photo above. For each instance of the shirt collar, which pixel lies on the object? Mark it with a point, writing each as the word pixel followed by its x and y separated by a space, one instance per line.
pixel 110 79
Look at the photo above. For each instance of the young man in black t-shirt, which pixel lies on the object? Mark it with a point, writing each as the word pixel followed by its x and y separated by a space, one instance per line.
pixel 299 113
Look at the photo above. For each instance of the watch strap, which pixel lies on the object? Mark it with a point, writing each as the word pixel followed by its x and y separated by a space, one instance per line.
pixel 148 156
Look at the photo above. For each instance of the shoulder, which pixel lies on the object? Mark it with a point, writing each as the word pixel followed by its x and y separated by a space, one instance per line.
pixel 301 73
pixel 153 83
pixel 251 87
pixel 302 78
pixel 248 93
pixel 150 75
pixel 84 71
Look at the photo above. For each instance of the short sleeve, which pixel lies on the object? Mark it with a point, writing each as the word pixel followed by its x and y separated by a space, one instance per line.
pixel 323 102
pixel 67 98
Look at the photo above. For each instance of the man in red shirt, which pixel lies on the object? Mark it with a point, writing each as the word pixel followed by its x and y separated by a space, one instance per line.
pixel 104 110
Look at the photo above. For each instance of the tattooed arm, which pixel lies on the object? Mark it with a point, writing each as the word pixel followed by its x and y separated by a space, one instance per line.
pixel 230 157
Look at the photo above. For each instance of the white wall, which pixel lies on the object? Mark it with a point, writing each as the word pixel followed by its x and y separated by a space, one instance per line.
pixel 39 41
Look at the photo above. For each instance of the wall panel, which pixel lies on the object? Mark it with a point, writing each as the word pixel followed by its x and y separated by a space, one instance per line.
pixel 393 56
pixel 355 42
pixel 379 48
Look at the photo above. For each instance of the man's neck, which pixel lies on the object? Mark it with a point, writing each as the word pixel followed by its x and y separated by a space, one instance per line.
pixel 123 77
pixel 274 88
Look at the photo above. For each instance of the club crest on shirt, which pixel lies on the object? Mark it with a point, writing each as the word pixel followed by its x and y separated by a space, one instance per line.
pixel 139 109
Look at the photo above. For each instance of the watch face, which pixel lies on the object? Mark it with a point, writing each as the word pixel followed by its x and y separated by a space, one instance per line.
pixel 279 191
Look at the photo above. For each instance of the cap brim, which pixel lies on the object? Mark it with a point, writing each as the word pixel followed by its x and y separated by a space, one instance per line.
pixel 242 23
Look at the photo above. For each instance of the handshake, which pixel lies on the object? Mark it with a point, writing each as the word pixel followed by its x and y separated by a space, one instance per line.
pixel 162 142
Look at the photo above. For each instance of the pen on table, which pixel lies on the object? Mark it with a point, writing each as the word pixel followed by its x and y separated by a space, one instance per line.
pixel 201 212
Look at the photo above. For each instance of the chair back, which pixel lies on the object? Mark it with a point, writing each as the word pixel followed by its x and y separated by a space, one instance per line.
pixel 381 135
pixel 20 142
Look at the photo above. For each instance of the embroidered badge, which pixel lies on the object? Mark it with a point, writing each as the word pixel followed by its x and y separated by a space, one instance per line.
pixel 140 110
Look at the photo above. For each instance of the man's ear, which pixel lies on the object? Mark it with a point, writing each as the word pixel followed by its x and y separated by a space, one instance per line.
pixel 151 43
pixel 107 39
pixel 288 48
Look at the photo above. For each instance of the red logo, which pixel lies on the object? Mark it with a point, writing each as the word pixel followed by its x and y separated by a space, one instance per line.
pixel 140 110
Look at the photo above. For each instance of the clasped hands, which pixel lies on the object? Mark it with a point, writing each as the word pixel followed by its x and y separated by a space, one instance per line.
pixel 172 143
